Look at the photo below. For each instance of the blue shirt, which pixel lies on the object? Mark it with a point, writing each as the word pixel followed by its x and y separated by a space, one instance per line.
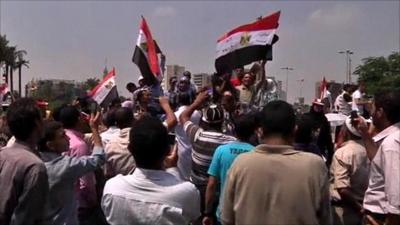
pixel 222 161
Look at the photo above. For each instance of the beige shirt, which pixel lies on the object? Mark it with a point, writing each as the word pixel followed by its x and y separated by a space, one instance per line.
pixel 350 169
pixel 118 158
pixel 277 185
pixel 383 193
pixel 245 93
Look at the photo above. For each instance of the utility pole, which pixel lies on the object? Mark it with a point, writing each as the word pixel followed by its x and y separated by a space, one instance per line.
pixel 348 64
pixel 287 79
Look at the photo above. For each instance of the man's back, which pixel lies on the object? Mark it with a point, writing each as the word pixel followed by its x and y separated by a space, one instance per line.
pixel 23 185
pixel 150 197
pixel 276 185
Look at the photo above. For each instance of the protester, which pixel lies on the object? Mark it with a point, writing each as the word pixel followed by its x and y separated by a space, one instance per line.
pixel 119 159
pixel 265 89
pixel 343 101
pixel 151 194
pixel 193 88
pixel 112 129
pixel 86 187
pixel 131 87
pixel 171 94
pixel 229 106
pixel 382 198
pixel 305 138
pixel 183 143
pixel 324 137
pixel 184 86
pixel 64 171
pixel 23 178
pixel 204 138
pixel 220 84
pixel 349 177
pixel 246 89
pixel 275 184
pixel 360 102
pixel 221 162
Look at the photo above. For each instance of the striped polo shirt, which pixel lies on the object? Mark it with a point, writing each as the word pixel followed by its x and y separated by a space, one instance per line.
pixel 204 144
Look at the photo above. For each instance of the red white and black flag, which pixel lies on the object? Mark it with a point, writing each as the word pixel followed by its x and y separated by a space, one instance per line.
pixel 247 43
pixel 106 90
pixel 323 89
pixel 146 55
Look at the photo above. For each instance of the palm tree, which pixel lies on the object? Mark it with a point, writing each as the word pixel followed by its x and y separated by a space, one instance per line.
pixel 20 62
pixel 10 64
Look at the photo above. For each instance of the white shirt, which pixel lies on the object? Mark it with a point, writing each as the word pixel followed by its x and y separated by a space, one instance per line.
pixel 108 134
pixel 359 108
pixel 184 144
pixel 150 197
pixel 383 193
pixel 342 106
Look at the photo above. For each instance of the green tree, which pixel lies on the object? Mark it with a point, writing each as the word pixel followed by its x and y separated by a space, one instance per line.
pixel 380 73
pixel 90 83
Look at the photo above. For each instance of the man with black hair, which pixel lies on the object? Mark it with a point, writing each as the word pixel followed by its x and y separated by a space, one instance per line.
pixel 343 101
pixel 86 187
pixel 64 171
pixel 204 138
pixel 119 159
pixel 382 198
pixel 221 162
pixel 183 143
pixel 23 178
pixel 151 194
pixel 112 129
pixel 275 184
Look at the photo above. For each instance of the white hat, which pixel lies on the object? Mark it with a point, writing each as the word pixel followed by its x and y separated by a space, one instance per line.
pixel 351 128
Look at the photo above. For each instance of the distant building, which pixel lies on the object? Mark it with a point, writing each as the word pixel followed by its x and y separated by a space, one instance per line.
pixel 334 88
pixel 172 70
pixel 201 79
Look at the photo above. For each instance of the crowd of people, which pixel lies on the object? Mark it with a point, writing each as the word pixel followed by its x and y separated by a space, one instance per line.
pixel 231 153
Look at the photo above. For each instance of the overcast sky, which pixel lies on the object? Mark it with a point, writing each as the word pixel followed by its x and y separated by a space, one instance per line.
pixel 72 39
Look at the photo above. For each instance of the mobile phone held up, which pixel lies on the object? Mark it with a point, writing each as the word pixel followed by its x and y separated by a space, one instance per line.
pixel 94 107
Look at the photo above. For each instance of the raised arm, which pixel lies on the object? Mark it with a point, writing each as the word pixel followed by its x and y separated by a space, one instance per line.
pixel 170 120
pixel 198 102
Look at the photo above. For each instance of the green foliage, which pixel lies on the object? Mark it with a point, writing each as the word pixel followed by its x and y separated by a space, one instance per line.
pixel 380 73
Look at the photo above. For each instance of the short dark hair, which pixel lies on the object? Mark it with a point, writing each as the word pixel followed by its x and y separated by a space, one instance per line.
pixel 49 133
pixel 278 118
pixel 245 126
pixel 22 118
pixel 183 98
pixel 389 101
pixel 123 117
pixel 109 118
pixel 148 142
pixel 130 86
pixel 69 116
pixel 305 125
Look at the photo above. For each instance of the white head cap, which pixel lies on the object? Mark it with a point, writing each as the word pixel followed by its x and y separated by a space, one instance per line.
pixel 351 128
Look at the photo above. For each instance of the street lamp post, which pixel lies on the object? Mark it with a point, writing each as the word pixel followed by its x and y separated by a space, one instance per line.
pixel 348 64
pixel 301 87
pixel 287 78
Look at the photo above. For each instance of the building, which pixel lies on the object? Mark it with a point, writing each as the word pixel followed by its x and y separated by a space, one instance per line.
pixel 172 70
pixel 334 88
pixel 201 79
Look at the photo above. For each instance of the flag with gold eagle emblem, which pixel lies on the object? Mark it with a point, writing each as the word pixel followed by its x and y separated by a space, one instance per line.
pixel 247 43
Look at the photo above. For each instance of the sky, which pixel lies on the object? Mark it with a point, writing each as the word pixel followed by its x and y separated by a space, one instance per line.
pixel 75 39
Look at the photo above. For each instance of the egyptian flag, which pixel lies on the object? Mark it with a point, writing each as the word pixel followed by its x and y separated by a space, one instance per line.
pixel 106 90
pixel 323 89
pixel 146 55
pixel 247 43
